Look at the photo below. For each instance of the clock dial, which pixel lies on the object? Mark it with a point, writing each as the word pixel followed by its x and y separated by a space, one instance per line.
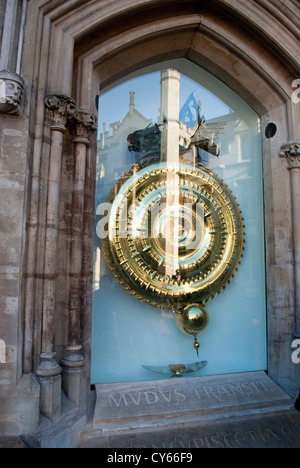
pixel 175 234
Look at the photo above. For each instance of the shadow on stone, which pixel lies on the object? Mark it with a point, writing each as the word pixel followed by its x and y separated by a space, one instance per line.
pixel 297 403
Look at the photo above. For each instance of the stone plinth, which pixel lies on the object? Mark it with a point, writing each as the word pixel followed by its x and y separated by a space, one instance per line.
pixel 236 410
pixel 130 405
pixel 259 431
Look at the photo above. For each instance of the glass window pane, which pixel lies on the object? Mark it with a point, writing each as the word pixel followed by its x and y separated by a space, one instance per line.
pixel 179 190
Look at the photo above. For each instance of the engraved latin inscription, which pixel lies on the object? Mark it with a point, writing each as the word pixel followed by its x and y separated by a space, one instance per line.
pixel 176 396
pixel 189 399
pixel 238 437
pixel 148 398
pixel 222 392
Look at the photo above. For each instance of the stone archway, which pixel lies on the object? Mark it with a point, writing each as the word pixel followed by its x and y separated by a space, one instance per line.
pixel 87 46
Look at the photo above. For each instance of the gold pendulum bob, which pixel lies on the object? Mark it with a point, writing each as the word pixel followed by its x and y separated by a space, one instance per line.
pixel 192 320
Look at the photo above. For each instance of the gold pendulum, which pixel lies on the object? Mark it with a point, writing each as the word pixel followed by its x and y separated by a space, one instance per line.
pixel 192 320
pixel 196 345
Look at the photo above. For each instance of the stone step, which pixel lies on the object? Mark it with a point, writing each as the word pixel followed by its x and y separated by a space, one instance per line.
pixel 271 430
pixel 155 413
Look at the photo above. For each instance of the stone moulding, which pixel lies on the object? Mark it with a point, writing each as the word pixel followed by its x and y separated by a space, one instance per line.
pixel 61 109
pixel 11 93
pixel 85 123
pixel 291 151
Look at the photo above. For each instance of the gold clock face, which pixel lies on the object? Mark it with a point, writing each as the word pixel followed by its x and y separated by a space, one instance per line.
pixel 175 234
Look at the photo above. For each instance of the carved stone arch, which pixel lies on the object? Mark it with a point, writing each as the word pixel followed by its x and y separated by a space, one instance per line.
pixel 250 59
pixel 84 45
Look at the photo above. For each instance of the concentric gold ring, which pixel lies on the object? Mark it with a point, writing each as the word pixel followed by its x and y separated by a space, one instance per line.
pixel 175 234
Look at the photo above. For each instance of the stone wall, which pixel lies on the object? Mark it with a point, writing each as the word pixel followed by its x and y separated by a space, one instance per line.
pixel 19 393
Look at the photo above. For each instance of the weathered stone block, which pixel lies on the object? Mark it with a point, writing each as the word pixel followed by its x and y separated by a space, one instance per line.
pixel 257 431
pixel 156 403
pixel 51 396
pixel 19 404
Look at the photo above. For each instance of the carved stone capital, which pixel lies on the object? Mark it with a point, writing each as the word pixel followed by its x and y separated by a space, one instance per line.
pixel 291 151
pixel 11 93
pixel 85 123
pixel 61 108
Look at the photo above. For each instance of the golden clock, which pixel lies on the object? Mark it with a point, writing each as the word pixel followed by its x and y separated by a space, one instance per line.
pixel 175 238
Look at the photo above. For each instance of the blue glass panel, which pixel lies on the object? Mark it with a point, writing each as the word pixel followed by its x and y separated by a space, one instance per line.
pixel 128 334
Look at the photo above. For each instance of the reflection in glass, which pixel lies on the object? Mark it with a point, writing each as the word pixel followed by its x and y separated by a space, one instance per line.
pixel 177 370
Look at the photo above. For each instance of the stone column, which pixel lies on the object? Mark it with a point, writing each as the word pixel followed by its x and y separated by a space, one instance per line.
pixel 291 152
pixel 60 109
pixel 73 363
